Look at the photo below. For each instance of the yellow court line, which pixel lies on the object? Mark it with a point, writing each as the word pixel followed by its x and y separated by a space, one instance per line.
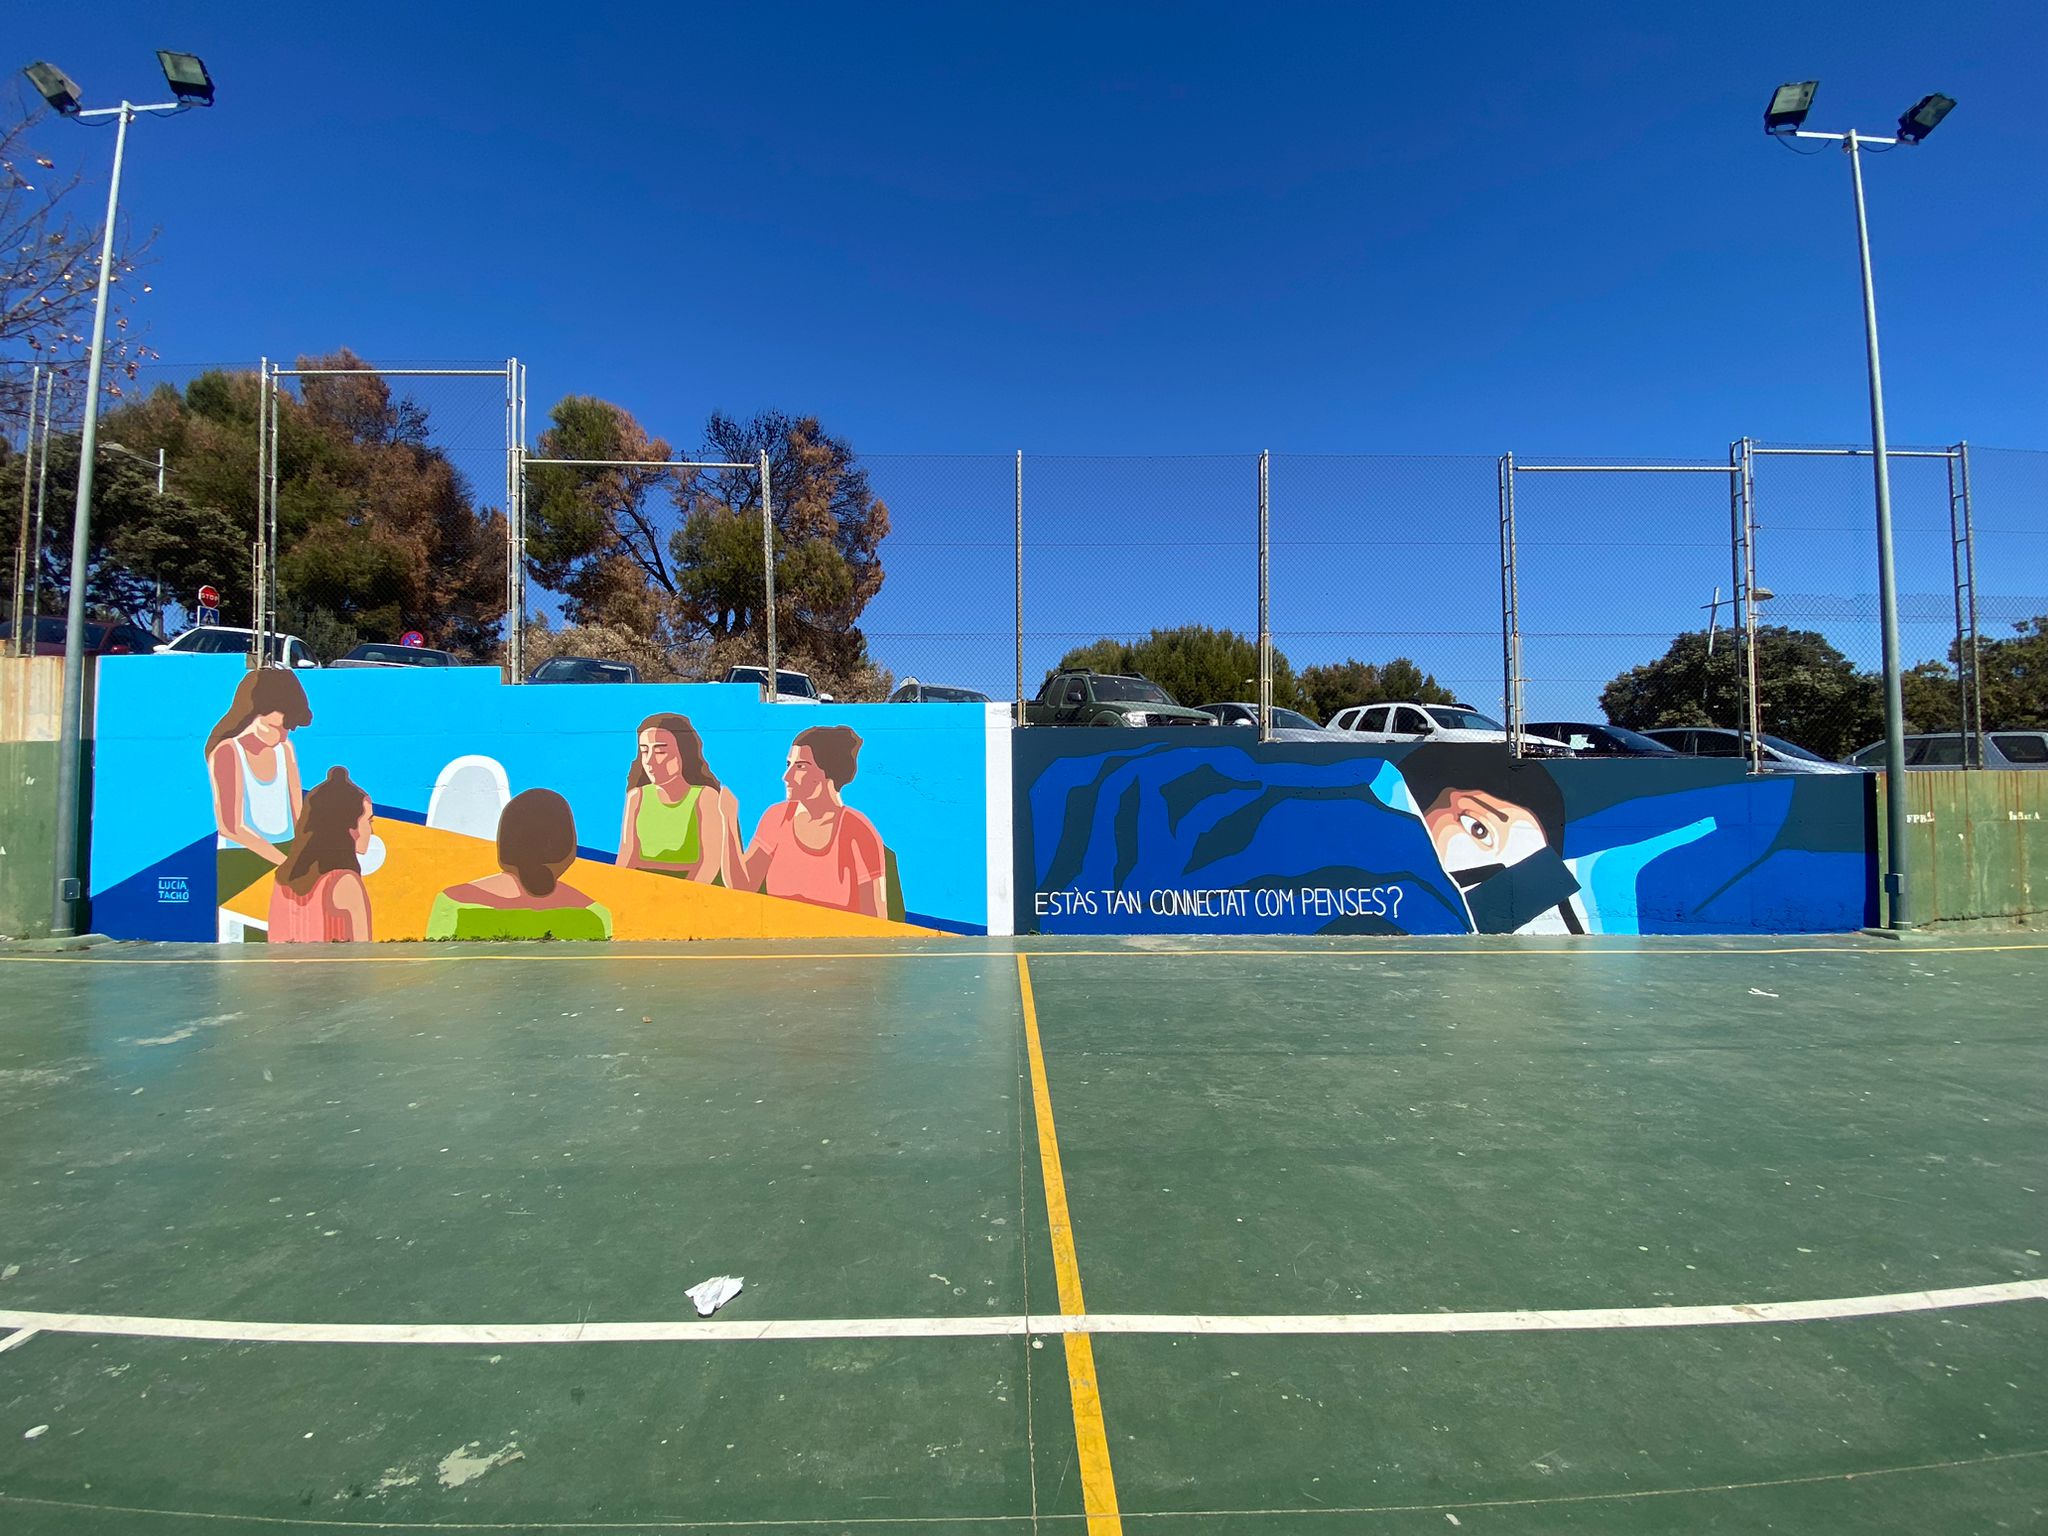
pixel 1091 1438
pixel 610 954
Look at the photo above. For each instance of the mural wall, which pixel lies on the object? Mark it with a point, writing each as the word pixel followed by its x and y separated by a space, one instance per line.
pixel 1155 834
pixel 389 803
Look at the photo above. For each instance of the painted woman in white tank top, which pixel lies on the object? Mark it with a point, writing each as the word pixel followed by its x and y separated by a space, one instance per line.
pixel 253 770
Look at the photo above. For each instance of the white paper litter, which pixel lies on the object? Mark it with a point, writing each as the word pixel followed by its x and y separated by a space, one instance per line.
pixel 37 1433
pixel 1760 992
pixel 709 1295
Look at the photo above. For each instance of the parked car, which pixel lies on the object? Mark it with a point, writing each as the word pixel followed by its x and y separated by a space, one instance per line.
pixel 377 653
pixel 790 687
pixel 121 639
pixel 1436 722
pixel 1082 697
pixel 911 691
pixel 584 669
pixel 225 640
pixel 1287 724
pixel 1778 755
pixel 2002 749
pixel 1587 739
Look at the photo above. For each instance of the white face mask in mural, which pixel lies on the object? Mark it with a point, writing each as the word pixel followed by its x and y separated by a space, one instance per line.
pixel 1478 834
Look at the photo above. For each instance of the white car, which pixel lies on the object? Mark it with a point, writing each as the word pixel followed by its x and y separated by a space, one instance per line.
pixel 790 687
pixel 1435 722
pixel 225 640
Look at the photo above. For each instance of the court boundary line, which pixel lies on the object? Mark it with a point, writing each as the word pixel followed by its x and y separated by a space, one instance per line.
pixel 449 953
pixel 1084 1387
pixel 1077 1325
pixel 1608 1496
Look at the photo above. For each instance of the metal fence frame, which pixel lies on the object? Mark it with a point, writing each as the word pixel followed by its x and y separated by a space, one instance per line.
pixel 1742 548
pixel 28 553
pixel 1962 534
pixel 264 589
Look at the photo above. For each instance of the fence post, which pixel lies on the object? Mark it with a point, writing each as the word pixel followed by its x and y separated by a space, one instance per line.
pixel 1510 610
pixel 1020 586
pixel 1265 603
pixel 1742 532
pixel 35 574
pixel 768 568
pixel 1962 534
pixel 21 548
pixel 260 569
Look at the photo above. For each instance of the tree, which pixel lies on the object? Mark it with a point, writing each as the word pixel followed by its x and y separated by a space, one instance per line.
pixel 1339 685
pixel 2012 674
pixel 1194 663
pixel 49 268
pixel 1808 692
pixel 597 536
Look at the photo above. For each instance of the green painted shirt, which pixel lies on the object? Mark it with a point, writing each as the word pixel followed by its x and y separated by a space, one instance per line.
pixel 452 919
pixel 668 834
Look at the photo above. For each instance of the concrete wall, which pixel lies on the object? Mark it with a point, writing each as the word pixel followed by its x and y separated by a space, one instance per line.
pixel 1190 831
pixel 1979 846
pixel 31 703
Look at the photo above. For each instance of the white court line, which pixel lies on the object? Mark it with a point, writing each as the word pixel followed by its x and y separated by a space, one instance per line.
pixel 13 1340
pixel 728 1331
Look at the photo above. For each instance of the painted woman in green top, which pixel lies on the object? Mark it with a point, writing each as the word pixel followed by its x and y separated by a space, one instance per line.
pixel 679 818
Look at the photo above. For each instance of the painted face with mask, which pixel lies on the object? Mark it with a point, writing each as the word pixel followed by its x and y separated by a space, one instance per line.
pixel 1477 834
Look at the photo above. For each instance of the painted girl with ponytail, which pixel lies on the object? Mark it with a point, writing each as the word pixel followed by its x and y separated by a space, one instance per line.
pixel 318 895
pixel 526 899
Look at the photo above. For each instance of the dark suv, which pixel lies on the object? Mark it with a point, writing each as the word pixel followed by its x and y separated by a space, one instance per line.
pixel 1102 698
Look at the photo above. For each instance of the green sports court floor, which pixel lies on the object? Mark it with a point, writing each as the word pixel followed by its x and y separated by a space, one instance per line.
pixel 1144 1236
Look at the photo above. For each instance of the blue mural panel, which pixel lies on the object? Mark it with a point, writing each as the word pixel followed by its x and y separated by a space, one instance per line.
pixel 439 803
pixel 1151 832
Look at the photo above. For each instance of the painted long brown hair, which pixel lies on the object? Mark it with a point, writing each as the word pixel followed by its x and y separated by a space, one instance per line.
pixel 264 691
pixel 536 839
pixel 689 751
pixel 327 833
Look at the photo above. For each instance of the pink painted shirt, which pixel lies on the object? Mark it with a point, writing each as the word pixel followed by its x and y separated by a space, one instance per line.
pixel 311 918
pixel 833 875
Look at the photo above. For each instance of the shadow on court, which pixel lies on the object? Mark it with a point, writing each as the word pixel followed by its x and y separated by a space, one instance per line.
pixel 399 1238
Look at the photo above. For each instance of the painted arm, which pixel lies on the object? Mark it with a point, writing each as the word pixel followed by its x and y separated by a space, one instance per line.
pixel 226 773
pixel 753 864
pixel 629 840
pixel 712 838
pixel 352 901
pixel 871 886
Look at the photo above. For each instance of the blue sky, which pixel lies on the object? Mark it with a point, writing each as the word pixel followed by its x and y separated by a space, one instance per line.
pixel 1195 229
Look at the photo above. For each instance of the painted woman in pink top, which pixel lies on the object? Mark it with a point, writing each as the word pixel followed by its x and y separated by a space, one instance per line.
pixel 813 847
pixel 318 896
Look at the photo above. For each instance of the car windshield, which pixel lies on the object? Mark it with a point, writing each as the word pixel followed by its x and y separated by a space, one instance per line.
pixel 1130 690
pixel 1780 744
pixel 575 669
pixel 1596 736
pixel 399 655
pixel 1287 719
pixel 215 642
pixel 1453 718
pixel 953 696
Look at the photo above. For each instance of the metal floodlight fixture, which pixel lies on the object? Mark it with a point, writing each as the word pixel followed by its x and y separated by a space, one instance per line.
pixel 186 74
pixel 1761 594
pixel 1924 116
pixel 1790 103
pixel 58 88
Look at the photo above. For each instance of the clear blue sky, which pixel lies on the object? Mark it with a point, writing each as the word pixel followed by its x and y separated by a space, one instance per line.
pixel 1114 229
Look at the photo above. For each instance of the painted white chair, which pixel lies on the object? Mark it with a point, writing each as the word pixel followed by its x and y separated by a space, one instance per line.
pixel 469 796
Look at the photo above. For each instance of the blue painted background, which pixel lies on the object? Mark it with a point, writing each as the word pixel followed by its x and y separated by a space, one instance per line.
pixel 922 777
pixel 1687 846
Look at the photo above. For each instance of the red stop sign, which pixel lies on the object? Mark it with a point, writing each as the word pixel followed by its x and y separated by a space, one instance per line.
pixel 209 597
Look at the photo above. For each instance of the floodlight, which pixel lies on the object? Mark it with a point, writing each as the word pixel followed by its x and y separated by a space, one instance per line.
pixel 1761 594
pixel 1790 103
pixel 58 88
pixel 187 76
pixel 1924 116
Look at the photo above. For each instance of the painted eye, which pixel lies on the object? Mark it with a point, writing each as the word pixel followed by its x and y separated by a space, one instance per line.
pixel 1476 829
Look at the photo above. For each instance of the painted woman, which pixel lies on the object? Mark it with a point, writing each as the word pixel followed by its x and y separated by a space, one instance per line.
pixel 254 776
pixel 679 818
pixel 319 896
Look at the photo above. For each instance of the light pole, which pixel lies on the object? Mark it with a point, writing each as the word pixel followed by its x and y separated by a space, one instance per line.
pixel 1785 120
pixel 145 461
pixel 189 83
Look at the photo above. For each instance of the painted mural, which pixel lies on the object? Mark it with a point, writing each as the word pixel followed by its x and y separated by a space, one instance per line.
pixel 373 804
pixel 1159 835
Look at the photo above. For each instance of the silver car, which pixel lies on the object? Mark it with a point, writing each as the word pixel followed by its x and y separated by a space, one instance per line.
pixel 1777 755
pixel 2002 749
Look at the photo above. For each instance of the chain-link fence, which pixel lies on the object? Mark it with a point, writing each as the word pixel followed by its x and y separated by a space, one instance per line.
pixel 414 499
